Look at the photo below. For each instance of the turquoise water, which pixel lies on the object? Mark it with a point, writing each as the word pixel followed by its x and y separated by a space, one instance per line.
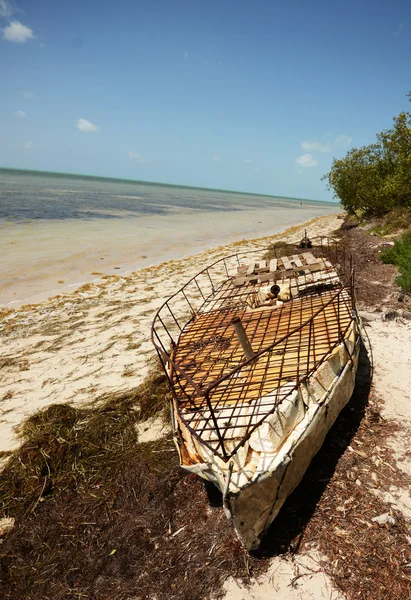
pixel 54 196
pixel 58 231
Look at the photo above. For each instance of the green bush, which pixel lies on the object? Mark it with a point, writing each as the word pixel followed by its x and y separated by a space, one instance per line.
pixel 400 255
pixel 375 179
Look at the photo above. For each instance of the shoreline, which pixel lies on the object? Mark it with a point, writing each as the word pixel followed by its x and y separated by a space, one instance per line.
pixel 68 286
pixel 63 174
pixel 45 259
pixel 75 347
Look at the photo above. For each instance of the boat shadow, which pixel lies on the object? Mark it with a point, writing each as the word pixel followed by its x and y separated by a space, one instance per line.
pixel 286 533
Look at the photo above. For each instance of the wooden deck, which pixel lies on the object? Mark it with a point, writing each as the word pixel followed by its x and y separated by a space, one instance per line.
pixel 208 349
pixel 219 395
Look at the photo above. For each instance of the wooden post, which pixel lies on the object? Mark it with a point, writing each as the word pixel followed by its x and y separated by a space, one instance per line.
pixel 242 337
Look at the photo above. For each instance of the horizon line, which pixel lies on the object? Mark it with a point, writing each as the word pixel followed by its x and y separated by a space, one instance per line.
pixel 174 185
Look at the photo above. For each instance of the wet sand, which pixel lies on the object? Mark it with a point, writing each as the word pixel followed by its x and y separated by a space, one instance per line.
pixel 45 258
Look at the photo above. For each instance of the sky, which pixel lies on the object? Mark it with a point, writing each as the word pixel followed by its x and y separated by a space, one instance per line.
pixel 249 95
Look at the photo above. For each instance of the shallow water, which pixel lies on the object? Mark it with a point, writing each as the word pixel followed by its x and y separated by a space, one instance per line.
pixel 57 232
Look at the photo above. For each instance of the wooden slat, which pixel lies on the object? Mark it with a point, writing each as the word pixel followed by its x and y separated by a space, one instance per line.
pixel 239 281
pixel 273 264
pixel 264 277
pixel 276 275
pixel 309 258
pixel 286 262
pixel 296 260
pixel 251 268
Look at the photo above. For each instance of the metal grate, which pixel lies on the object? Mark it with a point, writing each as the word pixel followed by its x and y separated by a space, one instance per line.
pixel 220 396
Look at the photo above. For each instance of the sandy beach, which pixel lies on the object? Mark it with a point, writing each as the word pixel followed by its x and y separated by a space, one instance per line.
pixel 76 347
pixel 57 233
pixel 43 261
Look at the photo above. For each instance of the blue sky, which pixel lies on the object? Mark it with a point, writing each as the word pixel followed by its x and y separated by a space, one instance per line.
pixel 255 96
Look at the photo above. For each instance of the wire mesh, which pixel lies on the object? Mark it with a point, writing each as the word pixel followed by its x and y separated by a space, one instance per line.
pixel 222 397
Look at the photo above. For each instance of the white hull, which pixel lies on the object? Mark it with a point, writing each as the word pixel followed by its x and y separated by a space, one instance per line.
pixel 259 373
pixel 253 499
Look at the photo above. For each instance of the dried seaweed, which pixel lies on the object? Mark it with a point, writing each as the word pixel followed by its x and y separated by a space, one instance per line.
pixel 99 515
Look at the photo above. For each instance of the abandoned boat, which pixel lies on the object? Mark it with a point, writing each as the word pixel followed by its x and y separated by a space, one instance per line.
pixel 261 356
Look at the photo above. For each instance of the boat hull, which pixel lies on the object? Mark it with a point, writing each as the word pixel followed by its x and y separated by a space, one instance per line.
pixel 253 502
pixel 255 507
pixel 259 372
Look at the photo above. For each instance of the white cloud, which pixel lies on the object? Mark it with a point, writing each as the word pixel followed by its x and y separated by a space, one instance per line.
pixel 29 145
pixel 307 145
pixel 247 160
pixel 343 139
pixel 28 95
pixel 20 114
pixel 86 126
pixel 256 169
pixel 306 160
pixel 217 158
pixel 6 8
pixel 334 143
pixel 135 156
pixel 16 32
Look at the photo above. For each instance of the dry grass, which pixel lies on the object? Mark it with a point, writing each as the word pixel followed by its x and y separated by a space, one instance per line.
pixel 364 559
pixel 397 220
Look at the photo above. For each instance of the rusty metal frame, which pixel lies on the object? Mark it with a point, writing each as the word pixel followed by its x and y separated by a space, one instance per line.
pixel 192 404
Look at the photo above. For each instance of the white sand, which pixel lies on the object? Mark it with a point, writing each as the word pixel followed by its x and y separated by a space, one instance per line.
pixel 301 578
pixel 75 347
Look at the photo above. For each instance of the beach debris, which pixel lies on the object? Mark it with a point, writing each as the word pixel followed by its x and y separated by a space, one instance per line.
pixel 305 241
pixel 244 423
pixel 389 315
pixel 6 523
pixel 383 519
pixel 178 531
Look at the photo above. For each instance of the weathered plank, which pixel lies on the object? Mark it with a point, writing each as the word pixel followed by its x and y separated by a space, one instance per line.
pixel 309 258
pixel 287 263
pixel 273 264
pixel 296 260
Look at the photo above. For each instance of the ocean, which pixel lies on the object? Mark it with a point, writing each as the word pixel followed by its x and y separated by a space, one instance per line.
pixel 58 231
